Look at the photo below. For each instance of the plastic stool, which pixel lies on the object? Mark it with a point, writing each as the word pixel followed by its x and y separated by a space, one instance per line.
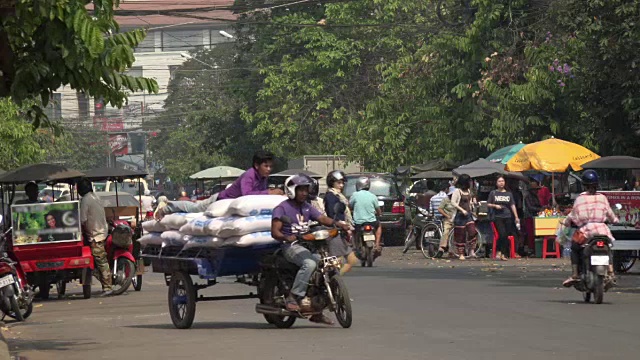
pixel 556 248
pixel 512 240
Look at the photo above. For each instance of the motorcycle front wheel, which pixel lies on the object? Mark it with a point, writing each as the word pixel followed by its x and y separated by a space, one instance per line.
pixel 124 272
pixel 343 302
pixel 15 309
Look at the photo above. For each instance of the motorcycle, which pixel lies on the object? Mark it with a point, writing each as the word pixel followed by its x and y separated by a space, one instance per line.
pixel 16 298
pixel 364 244
pixel 326 288
pixel 595 265
pixel 119 248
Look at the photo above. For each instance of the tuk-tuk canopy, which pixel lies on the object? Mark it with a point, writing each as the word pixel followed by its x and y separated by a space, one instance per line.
pixel 41 173
pixel 107 173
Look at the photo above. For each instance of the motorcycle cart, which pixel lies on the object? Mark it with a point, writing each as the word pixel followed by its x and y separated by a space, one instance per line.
pixel 46 237
pixel 125 200
pixel 125 212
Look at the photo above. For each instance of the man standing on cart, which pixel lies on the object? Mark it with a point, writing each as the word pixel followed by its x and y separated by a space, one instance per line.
pixel 95 230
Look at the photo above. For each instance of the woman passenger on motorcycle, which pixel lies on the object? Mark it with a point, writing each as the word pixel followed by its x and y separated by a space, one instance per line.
pixel 339 246
pixel 292 217
pixel 590 212
pixel 465 226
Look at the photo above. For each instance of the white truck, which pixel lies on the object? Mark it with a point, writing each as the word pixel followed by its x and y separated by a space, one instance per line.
pixel 324 164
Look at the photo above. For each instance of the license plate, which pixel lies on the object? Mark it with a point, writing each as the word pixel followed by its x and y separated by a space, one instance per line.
pixel 600 260
pixel 7 280
pixel 429 234
pixel 380 203
pixel 369 237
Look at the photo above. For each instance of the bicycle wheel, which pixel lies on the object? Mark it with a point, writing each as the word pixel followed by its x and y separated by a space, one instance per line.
pixel 430 240
pixel 479 248
pixel 409 239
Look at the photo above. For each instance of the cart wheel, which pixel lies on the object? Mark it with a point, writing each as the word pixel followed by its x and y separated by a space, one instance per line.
pixel 343 302
pixel 137 282
pixel 124 272
pixel 61 287
pixel 44 286
pixel 86 283
pixel 182 300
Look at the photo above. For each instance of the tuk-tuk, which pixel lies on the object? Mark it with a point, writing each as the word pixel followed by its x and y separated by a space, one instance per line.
pixel 46 238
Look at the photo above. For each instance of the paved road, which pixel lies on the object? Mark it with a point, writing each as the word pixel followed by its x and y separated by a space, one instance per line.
pixel 405 308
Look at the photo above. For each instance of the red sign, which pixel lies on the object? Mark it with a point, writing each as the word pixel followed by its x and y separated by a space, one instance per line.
pixel 108 124
pixel 119 144
pixel 629 215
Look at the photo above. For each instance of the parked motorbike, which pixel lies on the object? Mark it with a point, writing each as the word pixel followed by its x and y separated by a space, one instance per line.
pixel 365 241
pixel 119 247
pixel 595 265
pixel 326 288
pixel 16 298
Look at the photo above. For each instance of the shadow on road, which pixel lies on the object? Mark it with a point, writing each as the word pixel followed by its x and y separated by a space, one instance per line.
pixel 23 345
pixel 228 325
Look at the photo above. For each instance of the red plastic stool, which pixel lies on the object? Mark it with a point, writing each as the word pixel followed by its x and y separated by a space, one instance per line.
pixel 512 240
pixel 556 248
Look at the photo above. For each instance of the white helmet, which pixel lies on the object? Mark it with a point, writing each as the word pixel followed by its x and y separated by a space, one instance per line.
pixel 294 181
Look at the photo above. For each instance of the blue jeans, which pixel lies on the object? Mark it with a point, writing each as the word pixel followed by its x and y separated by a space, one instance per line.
pixel 307 262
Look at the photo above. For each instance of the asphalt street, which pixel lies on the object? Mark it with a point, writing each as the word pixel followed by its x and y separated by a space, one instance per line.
pixel 405 307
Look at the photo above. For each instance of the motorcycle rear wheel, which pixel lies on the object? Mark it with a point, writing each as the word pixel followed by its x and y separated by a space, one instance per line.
pixel 343 311
pixel 598 291
pixel 137 282
pixel 128 269
pixel 368 257
pixel 272 291
pixel 15 309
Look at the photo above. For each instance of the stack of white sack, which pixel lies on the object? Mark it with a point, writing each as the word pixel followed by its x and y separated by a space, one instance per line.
pixel 241 222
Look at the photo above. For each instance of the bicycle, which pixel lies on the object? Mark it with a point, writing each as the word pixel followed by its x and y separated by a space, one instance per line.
pixel 429 230
pixel 480 249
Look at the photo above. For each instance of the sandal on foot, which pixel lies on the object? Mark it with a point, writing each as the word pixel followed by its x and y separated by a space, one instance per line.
pixel 570 282
pixel 291 304
pixel 439 253
pixel 321 319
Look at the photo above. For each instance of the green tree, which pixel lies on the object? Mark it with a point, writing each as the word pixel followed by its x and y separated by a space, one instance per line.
pixel 47 44
pixel 19 145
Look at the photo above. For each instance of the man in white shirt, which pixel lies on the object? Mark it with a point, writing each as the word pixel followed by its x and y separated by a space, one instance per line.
pixel 95 229
pixel 146 202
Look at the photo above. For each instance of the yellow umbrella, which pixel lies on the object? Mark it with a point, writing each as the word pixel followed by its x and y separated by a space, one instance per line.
pixel 551 155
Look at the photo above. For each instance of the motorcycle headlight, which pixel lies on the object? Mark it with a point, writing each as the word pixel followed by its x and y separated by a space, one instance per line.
pixel 321 234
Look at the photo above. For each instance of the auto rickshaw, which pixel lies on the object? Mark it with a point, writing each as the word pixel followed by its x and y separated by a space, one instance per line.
pixel 46 238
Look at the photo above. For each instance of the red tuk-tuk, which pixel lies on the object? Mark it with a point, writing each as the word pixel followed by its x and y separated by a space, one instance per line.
pixel 46 237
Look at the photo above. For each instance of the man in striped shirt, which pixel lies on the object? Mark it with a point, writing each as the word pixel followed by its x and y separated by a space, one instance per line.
pixel 436 200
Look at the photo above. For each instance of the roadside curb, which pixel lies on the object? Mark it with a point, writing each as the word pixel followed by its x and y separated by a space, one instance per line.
pixel 4 348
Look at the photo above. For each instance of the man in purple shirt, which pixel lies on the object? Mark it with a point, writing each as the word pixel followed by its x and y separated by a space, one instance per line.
pixel 290 218
pixel 254 181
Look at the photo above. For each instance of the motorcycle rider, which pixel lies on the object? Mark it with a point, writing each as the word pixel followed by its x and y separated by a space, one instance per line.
pixel 590 212
pixel 339 246
pixel 366 209
pixel 95 230
pixel 292 217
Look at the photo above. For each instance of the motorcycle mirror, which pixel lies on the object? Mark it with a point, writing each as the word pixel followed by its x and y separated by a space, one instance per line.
pixel 618 206
pixel 285 219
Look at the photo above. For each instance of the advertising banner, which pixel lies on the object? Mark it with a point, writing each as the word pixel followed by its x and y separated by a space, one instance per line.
pixel 46 222
pixel 629 215
pixel 119 144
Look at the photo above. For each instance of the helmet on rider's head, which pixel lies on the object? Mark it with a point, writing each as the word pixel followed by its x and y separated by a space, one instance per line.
pixel 314 189
pixel 293 182
pixel 335 175
pixel 590 177
pixel 363 183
